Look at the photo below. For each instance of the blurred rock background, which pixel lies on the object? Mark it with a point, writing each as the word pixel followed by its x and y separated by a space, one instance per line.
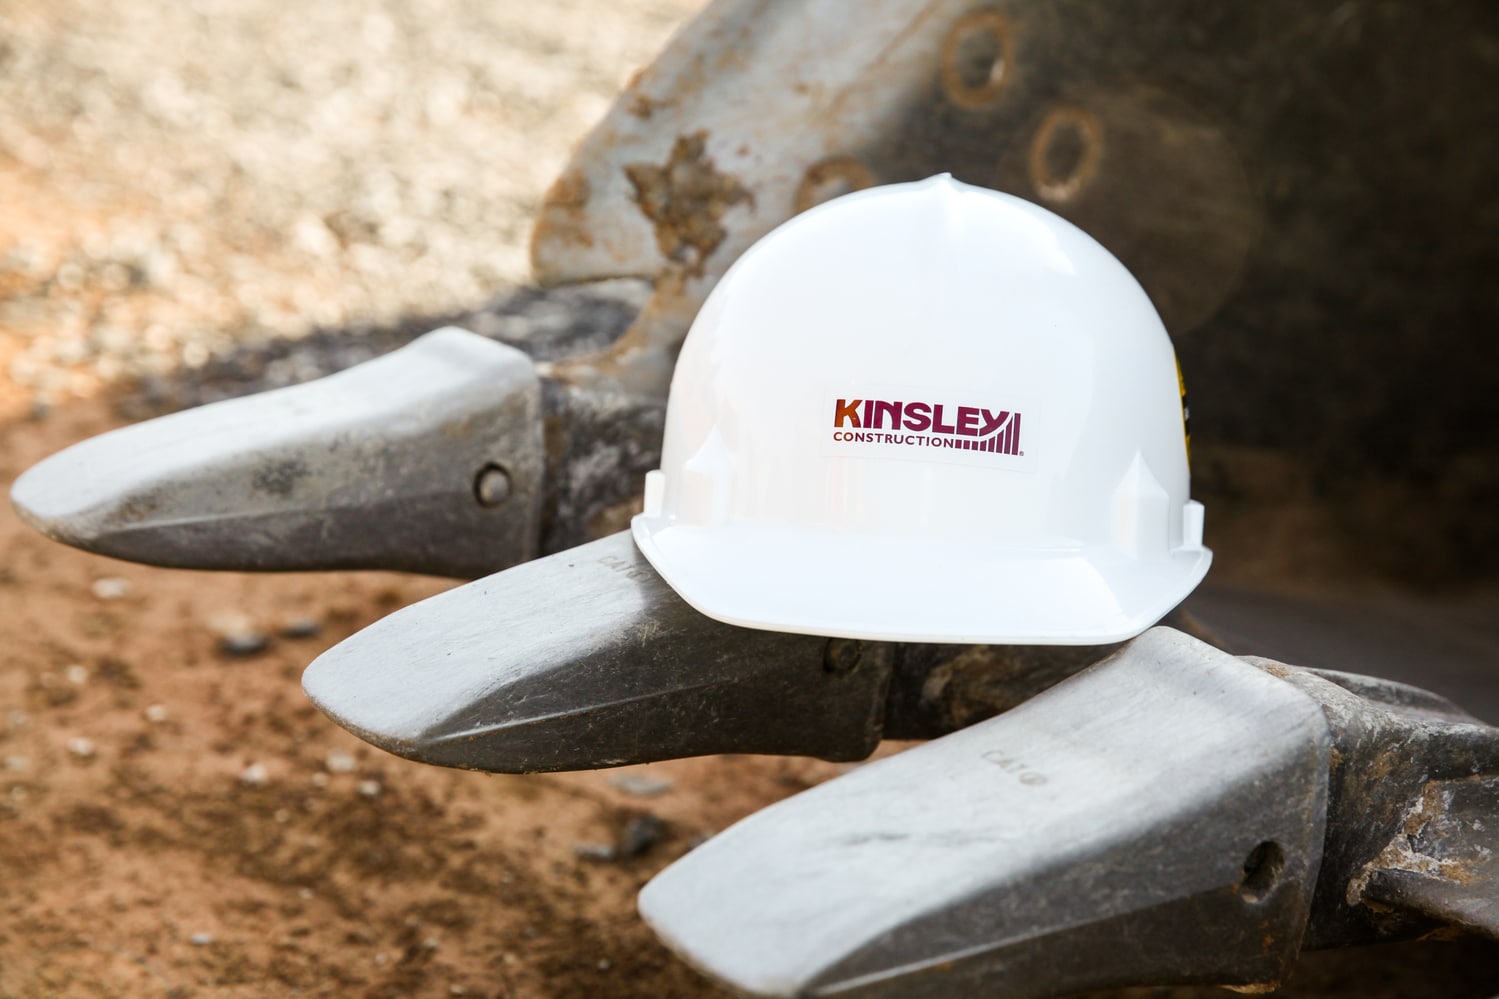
pixel 179 177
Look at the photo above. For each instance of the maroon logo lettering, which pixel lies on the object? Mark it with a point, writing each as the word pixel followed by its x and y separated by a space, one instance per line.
pixel 882 421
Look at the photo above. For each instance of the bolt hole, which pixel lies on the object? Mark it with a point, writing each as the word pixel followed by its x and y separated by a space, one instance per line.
pixel 831 178
pixel 1064 154
pixel 976 59
pixel 492 485
pixel 1262 869
pixel 842 655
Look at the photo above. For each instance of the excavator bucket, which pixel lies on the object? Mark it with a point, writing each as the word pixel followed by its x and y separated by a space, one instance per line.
pixel 1284 179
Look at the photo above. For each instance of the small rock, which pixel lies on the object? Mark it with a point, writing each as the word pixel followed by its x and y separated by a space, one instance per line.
pixel 200 939
pixel 245 644
pixel 16 718
pixel 238 635
pixel 457 990
pixel 431 943
pixel 77 675
pixel 319 780
pixel 111 588
pixel 641 833
pixel 339 762
pixel 601 853
pixel 254 775
pixel 156 713
pixel 17 763
pixel 81 747
pixel 641 786
pixel 302 627
pixel 605 964
pixel 370 788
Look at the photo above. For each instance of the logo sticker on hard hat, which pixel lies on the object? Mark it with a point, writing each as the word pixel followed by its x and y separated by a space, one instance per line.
pixel 928 426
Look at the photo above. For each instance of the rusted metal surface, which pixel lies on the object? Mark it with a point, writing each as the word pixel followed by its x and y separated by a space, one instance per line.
pixel 1443 861
pixel 686 198
pixel 941 688
pixel 1301 187
pixel 1411 774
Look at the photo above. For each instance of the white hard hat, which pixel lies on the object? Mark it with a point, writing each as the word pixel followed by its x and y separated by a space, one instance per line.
pixel 927 412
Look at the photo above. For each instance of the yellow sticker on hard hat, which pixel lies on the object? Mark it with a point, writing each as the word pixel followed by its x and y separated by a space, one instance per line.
pixel 1181 383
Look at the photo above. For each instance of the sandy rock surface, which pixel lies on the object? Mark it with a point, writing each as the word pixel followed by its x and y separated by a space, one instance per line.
pixel 176 177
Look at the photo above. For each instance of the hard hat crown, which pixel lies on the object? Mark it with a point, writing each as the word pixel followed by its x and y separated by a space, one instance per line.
pixel 927 404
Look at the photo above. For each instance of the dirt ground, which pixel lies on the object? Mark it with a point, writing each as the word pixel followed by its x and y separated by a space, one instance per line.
pixel 178 821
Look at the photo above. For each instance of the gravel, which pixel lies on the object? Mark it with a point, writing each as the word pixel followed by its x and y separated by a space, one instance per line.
pixel 111 588
pixel 244 644
pixel 640 786
pixel 302 627
pixel 641 832
pixel 187 177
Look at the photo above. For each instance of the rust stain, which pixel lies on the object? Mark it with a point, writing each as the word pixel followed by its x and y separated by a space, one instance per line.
pixel 965 88
pixel 830 178
pixel 685 198
pixel 569 190
pixel 562 214
pixel 643 106
pixel 1064 154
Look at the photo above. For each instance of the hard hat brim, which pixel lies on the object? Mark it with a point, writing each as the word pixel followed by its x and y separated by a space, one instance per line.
pixel 916 590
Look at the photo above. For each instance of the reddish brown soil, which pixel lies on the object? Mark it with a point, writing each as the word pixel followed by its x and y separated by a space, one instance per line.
pixel 444 883
pixel 148 866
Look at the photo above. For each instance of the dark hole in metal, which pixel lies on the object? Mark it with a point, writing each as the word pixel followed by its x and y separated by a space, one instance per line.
pixel 979 58
pixel 976 59
pixel 842 655
pixel 1063 155
pixel 1261 871
pixel 492 485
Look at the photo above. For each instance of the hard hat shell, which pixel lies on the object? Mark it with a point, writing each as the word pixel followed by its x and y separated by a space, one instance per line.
pixel 927 412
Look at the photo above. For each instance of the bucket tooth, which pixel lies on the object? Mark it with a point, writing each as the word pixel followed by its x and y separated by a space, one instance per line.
pixel 428 459
pixel 587 659
pixel 1155 819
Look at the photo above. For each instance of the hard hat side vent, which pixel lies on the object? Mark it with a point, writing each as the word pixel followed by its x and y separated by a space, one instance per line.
pixel 1140 507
